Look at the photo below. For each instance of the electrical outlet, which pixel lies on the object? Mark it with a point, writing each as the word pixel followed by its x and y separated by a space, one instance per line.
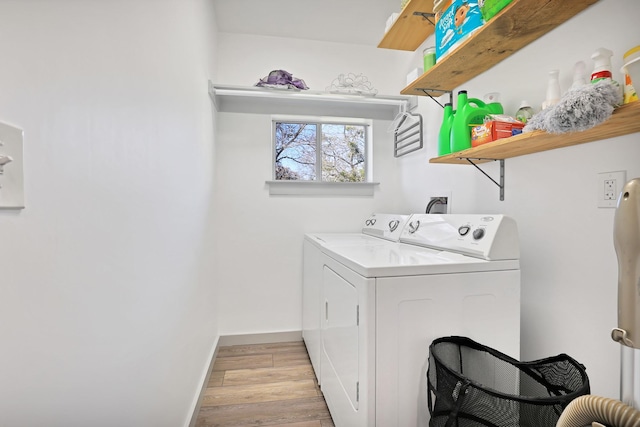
pixel 608 188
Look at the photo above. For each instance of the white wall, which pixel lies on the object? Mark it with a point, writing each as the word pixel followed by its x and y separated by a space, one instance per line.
pixel 107 313
pixel 569 270
pixel 259 257
pixel 569 265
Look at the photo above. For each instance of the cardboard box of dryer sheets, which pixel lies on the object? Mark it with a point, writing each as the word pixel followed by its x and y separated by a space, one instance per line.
pixel 493 130
pixel 455 21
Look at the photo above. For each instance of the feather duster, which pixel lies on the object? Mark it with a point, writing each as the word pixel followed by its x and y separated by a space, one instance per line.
pixel 579 109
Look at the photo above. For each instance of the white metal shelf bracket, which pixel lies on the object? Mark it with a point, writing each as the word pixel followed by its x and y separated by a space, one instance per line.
pixel 499 184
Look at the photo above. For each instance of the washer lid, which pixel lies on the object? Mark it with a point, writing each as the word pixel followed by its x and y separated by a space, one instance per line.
pixel 398 259
pixel 331 240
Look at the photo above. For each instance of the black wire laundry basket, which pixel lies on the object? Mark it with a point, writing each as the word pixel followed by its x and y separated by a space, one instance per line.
pixel 474 385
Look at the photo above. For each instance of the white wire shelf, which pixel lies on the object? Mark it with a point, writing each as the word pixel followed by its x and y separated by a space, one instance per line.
pixel 243 99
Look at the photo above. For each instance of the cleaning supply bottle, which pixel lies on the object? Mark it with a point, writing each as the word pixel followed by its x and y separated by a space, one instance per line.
pixel 553 89
pixel 579 75
pixel 629 91
pixel 631 70
pixel 602 66
pixel 525 112
pixel 468 112
pixel 444 136
pixel 493 102
pixel 479 119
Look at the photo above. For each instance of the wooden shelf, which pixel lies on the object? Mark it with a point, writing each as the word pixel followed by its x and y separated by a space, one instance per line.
pixel 517 25
pixel 623 121
pixel 409 30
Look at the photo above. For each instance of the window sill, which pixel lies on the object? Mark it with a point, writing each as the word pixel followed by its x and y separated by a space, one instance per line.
pixel 314 188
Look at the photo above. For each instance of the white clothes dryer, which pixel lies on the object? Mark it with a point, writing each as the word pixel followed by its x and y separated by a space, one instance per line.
pixel 382 303
pixel 378 229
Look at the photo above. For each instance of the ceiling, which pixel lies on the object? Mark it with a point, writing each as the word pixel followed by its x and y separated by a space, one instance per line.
pixel 344 21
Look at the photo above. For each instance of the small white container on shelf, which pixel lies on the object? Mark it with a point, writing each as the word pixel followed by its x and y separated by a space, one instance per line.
pixel 390 20
pixel 414 74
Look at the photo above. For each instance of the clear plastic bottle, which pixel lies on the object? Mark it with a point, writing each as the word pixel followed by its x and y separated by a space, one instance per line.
pixel 579 75
pixel 525 112
pixel 553 89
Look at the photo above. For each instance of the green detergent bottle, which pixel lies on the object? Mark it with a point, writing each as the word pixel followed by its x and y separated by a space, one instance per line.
pixel 444 137
pixel 469 112
pixel 495 108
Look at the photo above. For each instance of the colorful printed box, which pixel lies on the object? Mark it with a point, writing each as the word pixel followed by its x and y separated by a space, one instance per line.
pixel 492 130
pixel 457 20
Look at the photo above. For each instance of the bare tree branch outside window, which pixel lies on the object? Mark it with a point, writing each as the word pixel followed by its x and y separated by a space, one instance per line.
pixel 342 148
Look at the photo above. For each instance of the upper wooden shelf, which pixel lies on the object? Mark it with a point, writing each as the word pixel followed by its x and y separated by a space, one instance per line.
pixel 409 30
pixel 517 25
pixel 623 121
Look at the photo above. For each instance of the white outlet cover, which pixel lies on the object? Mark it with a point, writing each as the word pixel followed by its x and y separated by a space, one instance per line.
pixel 619 179
pixel 12 176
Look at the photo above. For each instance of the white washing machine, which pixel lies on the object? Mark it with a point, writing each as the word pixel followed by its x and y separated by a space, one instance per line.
pixel 381 304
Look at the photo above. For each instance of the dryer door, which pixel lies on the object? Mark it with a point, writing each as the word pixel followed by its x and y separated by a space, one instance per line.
pixel 348 345
pixel 340 334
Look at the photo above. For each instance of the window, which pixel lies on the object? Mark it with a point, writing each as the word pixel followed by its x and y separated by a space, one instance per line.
pixel 321 151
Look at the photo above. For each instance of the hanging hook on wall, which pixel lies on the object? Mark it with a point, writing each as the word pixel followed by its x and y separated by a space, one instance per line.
pixel 4 159
pixel 407 131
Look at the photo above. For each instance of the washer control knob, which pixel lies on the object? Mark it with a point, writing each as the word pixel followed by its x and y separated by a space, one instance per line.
pixel 413 226
pixel 464 230
pixel 478 233
pixel 393 224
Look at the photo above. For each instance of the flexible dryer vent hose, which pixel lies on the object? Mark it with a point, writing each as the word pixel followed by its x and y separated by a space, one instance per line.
pixel 585 410
pixel 626 240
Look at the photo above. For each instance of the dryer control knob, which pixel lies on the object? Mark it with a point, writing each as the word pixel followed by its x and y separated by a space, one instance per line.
pixel 464 230
pixel 478 233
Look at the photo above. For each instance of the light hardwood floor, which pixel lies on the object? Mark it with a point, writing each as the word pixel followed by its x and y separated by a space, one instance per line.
pixel 263 385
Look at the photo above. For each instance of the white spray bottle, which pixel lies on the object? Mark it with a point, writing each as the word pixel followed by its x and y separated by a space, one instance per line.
pixel 553 89
pixel 579 75
pixel 602 66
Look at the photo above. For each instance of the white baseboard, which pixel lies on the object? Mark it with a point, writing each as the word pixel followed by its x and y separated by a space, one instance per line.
pixel 197 402
pixel 260 338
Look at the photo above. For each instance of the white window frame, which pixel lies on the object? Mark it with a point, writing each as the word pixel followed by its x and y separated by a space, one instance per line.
pixel 318 187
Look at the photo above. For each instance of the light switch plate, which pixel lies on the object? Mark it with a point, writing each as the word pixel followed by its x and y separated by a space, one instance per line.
pixel 12 176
